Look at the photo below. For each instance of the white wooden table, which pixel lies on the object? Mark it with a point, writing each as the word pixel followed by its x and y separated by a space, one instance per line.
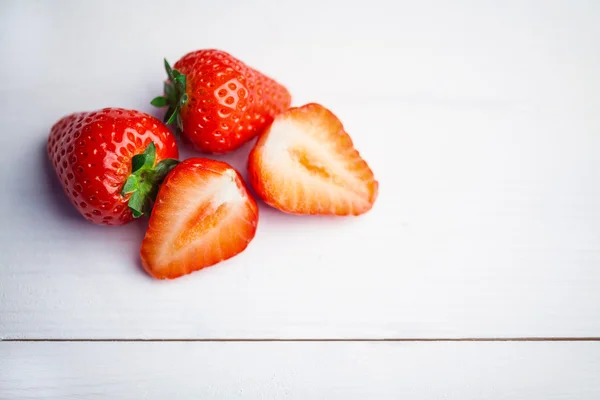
pixel 475 276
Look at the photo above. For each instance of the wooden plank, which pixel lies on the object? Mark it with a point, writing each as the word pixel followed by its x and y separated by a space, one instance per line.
pixel 504 249
pixel 486 148
pixel 385 370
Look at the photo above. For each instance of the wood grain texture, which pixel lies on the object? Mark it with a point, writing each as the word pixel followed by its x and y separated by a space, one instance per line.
pixel 479 122
pixel 461 371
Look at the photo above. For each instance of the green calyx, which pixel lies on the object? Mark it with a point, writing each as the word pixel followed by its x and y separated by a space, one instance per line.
pixel 174 96
pixel 145 179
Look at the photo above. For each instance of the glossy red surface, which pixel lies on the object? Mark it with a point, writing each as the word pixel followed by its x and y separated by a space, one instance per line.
pixel 92 151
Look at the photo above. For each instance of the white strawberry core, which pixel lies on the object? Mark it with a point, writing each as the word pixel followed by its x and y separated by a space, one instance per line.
pixel 286 135
pixel 312 139
pixel 281 137
pixel 226 190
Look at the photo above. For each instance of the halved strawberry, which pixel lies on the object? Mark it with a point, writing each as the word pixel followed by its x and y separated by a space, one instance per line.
pixel 203 215
pixel 305 163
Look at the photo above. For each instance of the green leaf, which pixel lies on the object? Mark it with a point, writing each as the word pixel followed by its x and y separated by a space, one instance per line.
pixel 175 96
pixel 163 168
pixel 144 160
pixel 168 69
pixel 170 93
pixel 167 115
pixel 136 204
pixel 173 116
pixel 179 122
pixel 130 186
pixel 145 180
pixel 150 154
pixel 137 162
pixel 159 101
pixel 180 82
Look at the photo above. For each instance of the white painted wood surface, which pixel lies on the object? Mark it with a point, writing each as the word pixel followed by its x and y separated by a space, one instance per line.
pixel 480 122
pixel 385 370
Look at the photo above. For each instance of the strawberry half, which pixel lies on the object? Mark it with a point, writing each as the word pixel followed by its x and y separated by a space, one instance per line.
pixel 218 102
pixel 203 214
pixel 306 163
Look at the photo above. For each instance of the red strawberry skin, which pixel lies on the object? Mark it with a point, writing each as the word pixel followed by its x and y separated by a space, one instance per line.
pixel 228 102
pixel 306 163
pixel 203 215
pixel 92 153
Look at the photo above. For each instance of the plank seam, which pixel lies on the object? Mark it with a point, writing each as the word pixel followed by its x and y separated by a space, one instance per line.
pixel 166 340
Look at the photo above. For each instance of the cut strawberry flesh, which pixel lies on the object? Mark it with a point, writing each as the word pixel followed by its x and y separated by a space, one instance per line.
pixel 305 163
pixel 203 215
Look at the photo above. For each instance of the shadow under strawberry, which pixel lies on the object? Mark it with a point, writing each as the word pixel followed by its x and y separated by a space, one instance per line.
pixel 69 223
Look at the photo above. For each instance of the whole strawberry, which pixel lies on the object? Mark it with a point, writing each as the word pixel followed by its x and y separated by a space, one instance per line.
pixel 218 102
pixel 110 162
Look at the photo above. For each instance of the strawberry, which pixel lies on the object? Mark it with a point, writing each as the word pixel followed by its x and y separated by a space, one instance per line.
pixel 306 163
pixel 111 161
pixel 218 102
pixel 203 215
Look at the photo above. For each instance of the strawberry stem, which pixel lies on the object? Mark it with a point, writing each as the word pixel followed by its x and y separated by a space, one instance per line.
pixel 145 179
pixel 174 97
